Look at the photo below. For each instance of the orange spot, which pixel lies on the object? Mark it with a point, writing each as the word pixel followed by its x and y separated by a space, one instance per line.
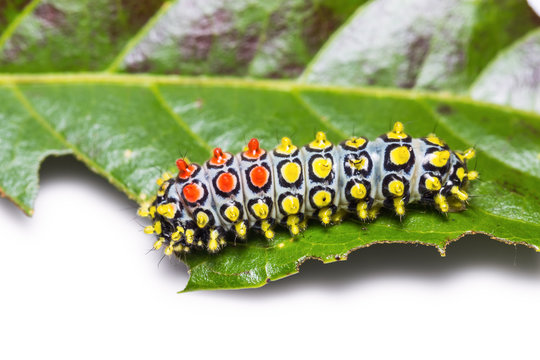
pixel 259 176
pixel 192 192
pixel 219 157
pixel 184 170
pixel 254 150
pixel 226 182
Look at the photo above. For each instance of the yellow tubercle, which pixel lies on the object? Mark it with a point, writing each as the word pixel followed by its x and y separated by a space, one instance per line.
pixel 175 236
pixel 320 141
pixel 397 132
pixel 178 247
pixel 148 229
pixel 159 242
pixel 143 211
pixel 152 211
pixel 361 210
pixel 190 236
pixel 338 216
pixel 355 142
pixel 265 225
pixel 322 198
pixel 322 167
pixel 168 250
pixel 166 210
pixel 469 153
pixel 399 206
pixel 325 215
pixel 358 191
pixel 241 229
pixel 286 146
pixel 460 194
pixel 441 202
pixel 157 227
pixel 159 181
pixel 472 175
pixel 358 164
pixel 432 138
pixel 460 173
pixel 373 212
pixel 269 234
pixel 166 176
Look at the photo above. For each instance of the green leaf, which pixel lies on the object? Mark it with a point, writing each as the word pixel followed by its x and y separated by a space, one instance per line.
pixel 130 128
pixel 425 44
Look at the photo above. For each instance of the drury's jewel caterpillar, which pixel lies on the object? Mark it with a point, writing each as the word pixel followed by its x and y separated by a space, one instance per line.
pixel 258 189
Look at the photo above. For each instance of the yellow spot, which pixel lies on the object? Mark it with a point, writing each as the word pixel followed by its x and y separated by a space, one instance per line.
pixel 186 249
pixel 149 229
pixel 152 211
pixel 175 236
pixel 281 245
pixel 157 227
pixel 469 154
pixel 399 206
pixel 232 213
pixel 190 236
pixel 320 141
pixel 435 140
pixel 433 183
pixel 324 215
pixel 322 167
pixel 143 211
pixel 440 200
pixel 461 195
pixel 269 234
pixel 440 158
pixel 260 209
pixel 213 245
pixel 241 229
pixel 355 142
pixel 166 210
pixel 202 219
pixel 166 176
pixel 162 189
pixel 396 187
pixel 322 198
pixel 265 225
pixel 460 172
pixel 221 241
pixel 338 216
pixel 168 250
pixel 472 175
pixel 358 191
pixel 397 132
pixel 199 243
pixel 373 212
pixel 292 223
pixel 290 204
pixel 159 181
pixel 286 146
pixel 358 164
pixel 290 172
pixel 361 210
pixel 159 242
pixel 400 155
pixel 178 247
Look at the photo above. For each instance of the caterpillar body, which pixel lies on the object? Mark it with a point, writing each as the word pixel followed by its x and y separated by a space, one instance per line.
pixel 257 189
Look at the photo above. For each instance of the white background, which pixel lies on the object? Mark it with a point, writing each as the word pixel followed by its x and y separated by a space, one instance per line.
pixel 76 283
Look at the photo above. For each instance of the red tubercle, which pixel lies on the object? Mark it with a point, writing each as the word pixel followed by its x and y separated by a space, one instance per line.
pixel 219 157
pixel 184 170
pixel 254 150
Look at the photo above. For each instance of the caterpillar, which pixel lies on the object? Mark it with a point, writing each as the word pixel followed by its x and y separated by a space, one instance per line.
pixel 258 189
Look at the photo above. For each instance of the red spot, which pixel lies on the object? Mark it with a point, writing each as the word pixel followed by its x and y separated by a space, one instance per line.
pixel 192 192
pixel 226 182
pixel 259 176
pixel 219 157
pixel 254 150
pixel 184 170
